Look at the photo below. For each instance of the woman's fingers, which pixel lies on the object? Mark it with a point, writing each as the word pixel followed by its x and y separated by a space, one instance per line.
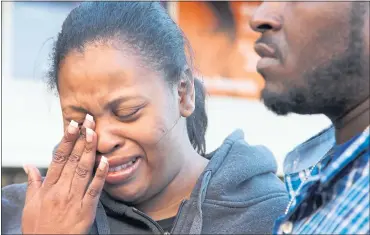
pixel 62 154
pixel 34 181
pixel 85 167
pixel 92 195
pixel 89 122
pixel 70 167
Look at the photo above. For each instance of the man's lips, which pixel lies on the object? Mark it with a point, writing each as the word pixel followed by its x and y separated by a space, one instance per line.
pixel 263 50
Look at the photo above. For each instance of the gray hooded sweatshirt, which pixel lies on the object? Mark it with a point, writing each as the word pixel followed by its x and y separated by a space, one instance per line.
pixel 237 193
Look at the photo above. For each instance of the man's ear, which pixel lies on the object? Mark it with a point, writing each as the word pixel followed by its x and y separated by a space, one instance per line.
pixel 186 93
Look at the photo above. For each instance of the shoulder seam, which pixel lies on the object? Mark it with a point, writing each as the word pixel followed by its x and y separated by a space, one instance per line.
pixel 243 204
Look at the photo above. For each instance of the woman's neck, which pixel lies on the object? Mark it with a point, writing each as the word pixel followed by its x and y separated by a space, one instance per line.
pixel 166 203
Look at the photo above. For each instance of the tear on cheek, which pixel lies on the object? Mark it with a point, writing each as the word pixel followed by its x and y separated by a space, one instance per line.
pixel 158 132
pixel 154 132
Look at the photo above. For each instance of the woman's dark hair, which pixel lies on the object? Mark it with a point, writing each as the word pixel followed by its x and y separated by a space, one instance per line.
pixel 147 30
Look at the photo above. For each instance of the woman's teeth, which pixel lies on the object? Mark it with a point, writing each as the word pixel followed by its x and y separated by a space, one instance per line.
pixel 121 167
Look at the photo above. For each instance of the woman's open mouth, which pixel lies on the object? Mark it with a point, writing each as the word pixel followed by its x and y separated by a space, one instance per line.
pixel 119 173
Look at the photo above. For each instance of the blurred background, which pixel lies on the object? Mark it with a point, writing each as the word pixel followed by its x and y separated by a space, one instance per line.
pixel 222 42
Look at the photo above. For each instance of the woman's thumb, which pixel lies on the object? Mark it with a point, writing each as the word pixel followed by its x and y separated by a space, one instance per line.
pixel 34 180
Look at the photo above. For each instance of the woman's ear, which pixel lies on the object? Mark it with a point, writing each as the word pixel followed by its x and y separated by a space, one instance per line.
pixel 186 93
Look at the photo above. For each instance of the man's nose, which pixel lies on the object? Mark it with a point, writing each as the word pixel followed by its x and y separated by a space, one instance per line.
pixel 267 17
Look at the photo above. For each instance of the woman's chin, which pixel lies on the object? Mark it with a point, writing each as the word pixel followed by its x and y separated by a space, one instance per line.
pixel 126 192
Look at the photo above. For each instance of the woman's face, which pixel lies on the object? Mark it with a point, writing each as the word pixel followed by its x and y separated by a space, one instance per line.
pixel 137 118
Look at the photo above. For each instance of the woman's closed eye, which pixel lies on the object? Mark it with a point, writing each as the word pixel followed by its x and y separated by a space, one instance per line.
pixel 127 114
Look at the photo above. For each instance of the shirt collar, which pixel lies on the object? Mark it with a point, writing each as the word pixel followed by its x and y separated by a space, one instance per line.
pixel 310 152
pixel 349 152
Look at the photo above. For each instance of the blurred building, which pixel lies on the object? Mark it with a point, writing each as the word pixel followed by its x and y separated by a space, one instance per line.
pixel 224 58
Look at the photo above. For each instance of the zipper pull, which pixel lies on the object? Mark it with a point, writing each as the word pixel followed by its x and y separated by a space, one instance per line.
pixel 166 233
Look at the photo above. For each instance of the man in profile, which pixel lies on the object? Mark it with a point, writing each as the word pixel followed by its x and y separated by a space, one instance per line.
pixel 315 60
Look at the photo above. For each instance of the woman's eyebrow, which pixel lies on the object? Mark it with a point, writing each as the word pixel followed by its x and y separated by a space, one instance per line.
pixel 111 105
pixel 116 102
pixel 75 108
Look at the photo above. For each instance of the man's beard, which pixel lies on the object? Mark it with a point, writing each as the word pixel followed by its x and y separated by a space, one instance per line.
pixel 329 89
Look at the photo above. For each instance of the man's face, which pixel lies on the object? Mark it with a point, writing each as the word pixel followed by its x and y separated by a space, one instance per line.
pixel 315 55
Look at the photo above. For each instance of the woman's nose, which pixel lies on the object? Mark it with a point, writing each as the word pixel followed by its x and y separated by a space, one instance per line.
pixel 108 140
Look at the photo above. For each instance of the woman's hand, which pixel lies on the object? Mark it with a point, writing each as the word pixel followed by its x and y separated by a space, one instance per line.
pixel 65 202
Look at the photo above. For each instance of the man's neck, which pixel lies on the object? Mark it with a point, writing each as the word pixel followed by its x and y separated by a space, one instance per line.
pixel 353 122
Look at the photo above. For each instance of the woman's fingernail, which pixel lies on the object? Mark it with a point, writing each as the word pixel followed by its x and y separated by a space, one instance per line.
pixel 89 118
pixel 103 162
pixel 25 168
pixel 73 127
pixel 89 135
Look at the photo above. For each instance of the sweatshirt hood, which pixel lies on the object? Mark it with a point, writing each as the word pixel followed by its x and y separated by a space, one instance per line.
pixel 233 164
pixel 229 174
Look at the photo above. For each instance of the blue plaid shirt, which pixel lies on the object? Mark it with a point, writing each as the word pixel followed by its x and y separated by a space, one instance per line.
pixel 335 197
